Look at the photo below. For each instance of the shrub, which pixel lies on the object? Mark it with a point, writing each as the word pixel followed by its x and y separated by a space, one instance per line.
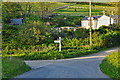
pixel 110 39
pixel 81 33
pixel 103 29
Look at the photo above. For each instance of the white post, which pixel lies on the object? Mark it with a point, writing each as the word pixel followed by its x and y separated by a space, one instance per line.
pixel 60 44
pixel 10 56
pixel 59 30
pixel 58 41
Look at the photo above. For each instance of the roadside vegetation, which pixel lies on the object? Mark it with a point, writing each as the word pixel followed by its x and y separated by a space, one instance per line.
pixel 13 67
pixel 111 66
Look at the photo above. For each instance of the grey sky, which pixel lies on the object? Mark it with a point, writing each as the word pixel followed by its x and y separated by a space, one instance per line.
pixel 60 0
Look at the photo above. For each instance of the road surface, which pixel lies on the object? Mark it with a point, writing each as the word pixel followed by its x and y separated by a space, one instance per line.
pixel 81 67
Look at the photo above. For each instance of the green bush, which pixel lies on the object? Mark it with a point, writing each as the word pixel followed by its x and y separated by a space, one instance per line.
pixel 103 29
pixel 110 39
pixel 81 33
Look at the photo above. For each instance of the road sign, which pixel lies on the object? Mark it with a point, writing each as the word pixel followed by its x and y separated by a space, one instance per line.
pixel 57 41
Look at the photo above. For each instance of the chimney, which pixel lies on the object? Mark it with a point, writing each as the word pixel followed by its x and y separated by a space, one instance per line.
pixel 112 13
pixel 104 12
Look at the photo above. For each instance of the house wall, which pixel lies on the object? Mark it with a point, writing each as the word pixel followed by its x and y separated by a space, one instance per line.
pixel 85 24
pixel 95 24
pixel 104 20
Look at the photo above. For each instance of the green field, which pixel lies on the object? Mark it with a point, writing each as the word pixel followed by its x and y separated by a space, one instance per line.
pixel 83 10
pixel 52 5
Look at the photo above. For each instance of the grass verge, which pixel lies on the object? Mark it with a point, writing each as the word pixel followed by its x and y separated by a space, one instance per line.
pixel 110 65
pixel 13 67
pixel 53 54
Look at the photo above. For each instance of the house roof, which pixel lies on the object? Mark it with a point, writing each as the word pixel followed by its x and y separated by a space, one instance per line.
pixel 113 16
pixel 96 17
pixel 85 18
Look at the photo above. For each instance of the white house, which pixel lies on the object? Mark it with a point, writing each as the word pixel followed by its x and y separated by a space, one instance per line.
pixel 98 21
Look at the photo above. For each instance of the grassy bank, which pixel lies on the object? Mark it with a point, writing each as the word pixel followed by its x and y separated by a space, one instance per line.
pixel 0 67
pixel 110 65
pixel 13 67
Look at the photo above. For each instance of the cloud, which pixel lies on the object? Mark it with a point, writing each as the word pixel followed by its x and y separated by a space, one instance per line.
pixel 60 0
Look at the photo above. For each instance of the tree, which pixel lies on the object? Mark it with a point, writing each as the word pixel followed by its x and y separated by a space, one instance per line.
pixel 26 9
pixel 10 10
pixel 34 33
pixel 81 33
pixel 29 10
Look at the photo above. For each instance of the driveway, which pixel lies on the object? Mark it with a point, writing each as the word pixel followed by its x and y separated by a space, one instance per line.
pixel 80 67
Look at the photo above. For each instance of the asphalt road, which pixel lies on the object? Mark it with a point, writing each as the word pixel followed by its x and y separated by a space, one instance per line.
pixel 81 67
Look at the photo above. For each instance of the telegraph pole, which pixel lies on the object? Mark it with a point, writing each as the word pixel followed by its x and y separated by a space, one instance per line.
pixel 90 23
pixel 110 19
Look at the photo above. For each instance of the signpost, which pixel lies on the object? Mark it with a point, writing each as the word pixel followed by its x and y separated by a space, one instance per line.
pixel 58 41
pixel 10 56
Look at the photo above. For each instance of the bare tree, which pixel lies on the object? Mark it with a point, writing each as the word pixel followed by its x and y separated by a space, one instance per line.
pixel 29 10
pixel 26 9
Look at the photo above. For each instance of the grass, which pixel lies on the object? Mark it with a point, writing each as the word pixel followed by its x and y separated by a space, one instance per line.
pixel 0 67
pixel 13 67
pixel 110 65
pixel 87 5
pixel 0 56
pixel 83 10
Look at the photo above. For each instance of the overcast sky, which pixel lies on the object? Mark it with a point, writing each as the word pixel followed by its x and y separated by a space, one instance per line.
pixel 62 0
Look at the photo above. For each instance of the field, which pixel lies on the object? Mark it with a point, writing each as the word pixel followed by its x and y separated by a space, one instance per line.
pixel 83 10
